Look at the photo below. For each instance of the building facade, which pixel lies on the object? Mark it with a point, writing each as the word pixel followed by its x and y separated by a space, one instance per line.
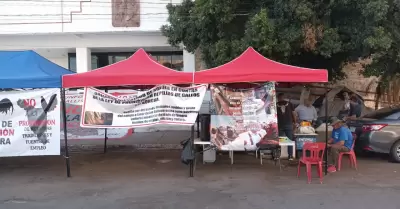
pixel 82 35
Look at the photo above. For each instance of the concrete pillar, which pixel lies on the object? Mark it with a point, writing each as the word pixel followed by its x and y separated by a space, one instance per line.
pixel 189 63
pixel 199 63
pixel 83 60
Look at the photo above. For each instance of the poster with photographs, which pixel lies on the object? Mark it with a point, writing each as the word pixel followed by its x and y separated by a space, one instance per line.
pixel 242 118
pixel 30 122
pixel 74 102
pixel 164 104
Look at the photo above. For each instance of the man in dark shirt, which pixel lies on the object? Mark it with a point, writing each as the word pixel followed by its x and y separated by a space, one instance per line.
pixel 286 119
pixel 355 107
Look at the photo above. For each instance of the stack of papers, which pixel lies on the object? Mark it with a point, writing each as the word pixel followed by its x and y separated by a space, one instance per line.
pixel 284 139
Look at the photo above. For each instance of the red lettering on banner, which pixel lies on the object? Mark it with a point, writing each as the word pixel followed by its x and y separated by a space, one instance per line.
pixel 37 123
pixel 6 132
pixel 74 109
pixel 123 95
pixel 71 124
pixel 29 102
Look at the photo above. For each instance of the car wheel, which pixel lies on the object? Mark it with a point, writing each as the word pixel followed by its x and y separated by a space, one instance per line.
pixel 395 152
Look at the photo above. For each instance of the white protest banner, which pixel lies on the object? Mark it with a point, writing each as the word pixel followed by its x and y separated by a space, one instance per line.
pixel 74 101
pixel 165 104
pixel 30 123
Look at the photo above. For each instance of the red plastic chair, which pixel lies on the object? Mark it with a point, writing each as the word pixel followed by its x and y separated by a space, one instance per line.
pixel 351 154
pixel 313 154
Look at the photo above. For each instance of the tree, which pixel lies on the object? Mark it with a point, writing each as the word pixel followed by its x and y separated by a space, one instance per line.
pixel 385 46
pixel 309 33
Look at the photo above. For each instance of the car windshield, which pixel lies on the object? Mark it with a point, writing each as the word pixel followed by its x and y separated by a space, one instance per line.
pixel 384 113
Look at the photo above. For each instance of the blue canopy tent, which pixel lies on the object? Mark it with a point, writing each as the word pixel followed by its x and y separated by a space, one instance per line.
pixel 27 69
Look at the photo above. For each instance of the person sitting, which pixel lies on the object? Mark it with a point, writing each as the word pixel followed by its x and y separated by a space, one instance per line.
pixel 341 141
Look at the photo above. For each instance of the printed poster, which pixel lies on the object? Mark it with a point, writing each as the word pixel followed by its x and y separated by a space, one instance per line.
pixel 164 104
pixel 242 118
pixel 30 123
pixel 74 101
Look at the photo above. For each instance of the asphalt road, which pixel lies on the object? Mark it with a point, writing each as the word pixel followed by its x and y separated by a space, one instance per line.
pixel 156 180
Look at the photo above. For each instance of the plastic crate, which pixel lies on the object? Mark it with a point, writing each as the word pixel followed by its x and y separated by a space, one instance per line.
pixel 301 139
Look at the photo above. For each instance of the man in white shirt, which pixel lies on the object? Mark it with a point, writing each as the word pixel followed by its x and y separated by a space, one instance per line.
pixel 306 112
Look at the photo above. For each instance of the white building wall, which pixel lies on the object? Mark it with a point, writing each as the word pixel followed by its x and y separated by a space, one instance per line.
pixel 61 61
pixel 83 60
pixel 55 47
pixel 90 40
pixel 75 16
pixel 55 27
pixel 188 62
pixel 58 56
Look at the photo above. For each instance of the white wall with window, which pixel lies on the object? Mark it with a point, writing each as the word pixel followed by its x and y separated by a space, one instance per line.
pixel 80 34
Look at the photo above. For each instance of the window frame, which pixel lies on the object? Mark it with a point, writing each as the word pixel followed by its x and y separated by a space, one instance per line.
pixel 128 54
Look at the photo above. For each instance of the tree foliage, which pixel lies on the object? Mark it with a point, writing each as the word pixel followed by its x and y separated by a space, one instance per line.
pixel 385 44
pixel 309 33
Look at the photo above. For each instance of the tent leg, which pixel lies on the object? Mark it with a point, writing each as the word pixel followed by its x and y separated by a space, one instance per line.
pixel 198 126
pixel 64 111
pixel 326 131
pixel 191 171
pixel 105 136
pixel 105 141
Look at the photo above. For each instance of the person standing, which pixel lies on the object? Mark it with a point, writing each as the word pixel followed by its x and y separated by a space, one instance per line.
pixel 355 108
pixel 306 112
pixel 341 141
pixel 286 119
pixel 344 112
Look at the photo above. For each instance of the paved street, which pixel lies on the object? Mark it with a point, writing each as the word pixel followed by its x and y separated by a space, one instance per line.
pixel 157 179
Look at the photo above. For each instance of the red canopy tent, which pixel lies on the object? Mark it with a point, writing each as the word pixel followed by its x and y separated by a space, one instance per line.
pixel 139 69
pixel 253 67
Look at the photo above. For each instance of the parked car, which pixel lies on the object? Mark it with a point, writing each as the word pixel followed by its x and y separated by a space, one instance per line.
pixel 379 132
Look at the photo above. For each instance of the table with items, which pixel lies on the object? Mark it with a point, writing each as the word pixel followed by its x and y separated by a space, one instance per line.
pixel 209 152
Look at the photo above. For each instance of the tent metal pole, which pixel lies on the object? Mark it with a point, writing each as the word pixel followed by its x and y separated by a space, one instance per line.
pixel 198 125
pixel 191 170
pixel 326 132
pixel 105 135
pixel 64 110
